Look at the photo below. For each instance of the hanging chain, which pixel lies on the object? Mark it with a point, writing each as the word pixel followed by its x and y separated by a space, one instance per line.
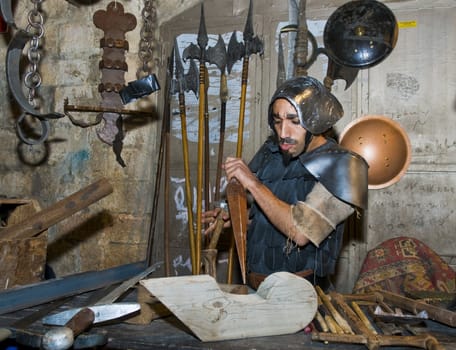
pixel 147 42
pixel 35 28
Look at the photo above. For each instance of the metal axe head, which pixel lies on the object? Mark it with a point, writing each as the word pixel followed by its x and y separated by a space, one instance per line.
pixel 235 52
pixel 336 71
pixel 252 43
pixel 198 51
pixel 217 54
pixel 191 78
pixel 192 51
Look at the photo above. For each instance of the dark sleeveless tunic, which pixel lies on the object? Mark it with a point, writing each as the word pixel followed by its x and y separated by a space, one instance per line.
pixel 266 246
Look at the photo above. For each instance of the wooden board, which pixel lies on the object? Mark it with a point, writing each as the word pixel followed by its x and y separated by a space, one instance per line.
pixel 283 304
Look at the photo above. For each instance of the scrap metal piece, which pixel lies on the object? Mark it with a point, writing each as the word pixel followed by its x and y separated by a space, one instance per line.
pixel 18 298
pixel 139 88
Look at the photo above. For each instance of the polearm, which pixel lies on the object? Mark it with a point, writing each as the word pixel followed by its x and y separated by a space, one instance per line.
pixel 166 213
pixel 199 52
pixel 300 49
pixel 180 85
pixel 217 55
pixel 251 45
pixel 153 220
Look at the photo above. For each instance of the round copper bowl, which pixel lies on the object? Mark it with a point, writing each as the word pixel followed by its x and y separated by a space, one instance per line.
pixel 383 144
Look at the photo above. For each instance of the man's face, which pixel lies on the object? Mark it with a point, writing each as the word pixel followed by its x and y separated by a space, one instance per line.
pixel 289 131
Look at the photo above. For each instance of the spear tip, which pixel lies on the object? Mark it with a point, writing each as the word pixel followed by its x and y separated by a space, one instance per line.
pixel 248 29
pixel 202 33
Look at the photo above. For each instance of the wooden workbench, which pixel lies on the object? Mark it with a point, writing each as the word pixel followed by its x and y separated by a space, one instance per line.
pixel 170 333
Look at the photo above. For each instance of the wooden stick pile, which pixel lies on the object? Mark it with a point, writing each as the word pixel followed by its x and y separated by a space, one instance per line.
pixel 342 318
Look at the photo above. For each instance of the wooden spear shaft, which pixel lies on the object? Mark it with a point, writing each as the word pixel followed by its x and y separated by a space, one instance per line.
pixel 223 99
pixel 188 190
pixel 199 184
pixel 245 76
pixel 166 213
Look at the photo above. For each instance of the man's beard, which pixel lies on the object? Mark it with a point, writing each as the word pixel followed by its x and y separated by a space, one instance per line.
pixel 287 157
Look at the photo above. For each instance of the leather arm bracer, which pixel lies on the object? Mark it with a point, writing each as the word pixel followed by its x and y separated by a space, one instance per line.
pixel 319 214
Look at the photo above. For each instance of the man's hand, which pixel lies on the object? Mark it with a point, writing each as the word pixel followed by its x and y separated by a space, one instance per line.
pixel 210 217
pixel 236 168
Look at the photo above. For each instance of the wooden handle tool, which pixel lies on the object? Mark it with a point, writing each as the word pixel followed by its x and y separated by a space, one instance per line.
pixel 62 338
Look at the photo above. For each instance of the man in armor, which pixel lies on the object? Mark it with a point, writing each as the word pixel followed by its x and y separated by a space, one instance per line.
pixel 303 185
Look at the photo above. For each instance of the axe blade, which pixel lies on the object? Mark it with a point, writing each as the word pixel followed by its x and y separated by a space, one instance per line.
pixel 336 71
pixel 235 51
pixel 217 54
pixel 191 51
pixel 255 46
pixel 191 78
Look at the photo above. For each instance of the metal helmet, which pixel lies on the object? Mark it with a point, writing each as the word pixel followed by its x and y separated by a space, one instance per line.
pixel 384 145
pixel 318 109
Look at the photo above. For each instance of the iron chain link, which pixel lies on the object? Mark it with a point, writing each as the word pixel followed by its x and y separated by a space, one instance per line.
pixel 147 43
pixel 35 27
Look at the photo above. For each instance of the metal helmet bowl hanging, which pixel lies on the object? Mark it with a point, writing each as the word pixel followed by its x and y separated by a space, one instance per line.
pixel 384 145
pixel 360 34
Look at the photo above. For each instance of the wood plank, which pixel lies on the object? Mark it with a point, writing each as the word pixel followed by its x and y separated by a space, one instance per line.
pixel 42 220
pixel 283 304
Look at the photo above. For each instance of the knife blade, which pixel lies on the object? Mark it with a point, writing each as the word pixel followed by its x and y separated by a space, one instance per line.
pixel 102 313
pixel 62 338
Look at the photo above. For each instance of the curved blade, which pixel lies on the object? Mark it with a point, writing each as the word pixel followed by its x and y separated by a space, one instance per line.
pixel 7 13
pixel 102 313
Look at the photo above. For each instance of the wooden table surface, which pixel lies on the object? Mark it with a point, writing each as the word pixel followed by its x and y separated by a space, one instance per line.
pixel 170 333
